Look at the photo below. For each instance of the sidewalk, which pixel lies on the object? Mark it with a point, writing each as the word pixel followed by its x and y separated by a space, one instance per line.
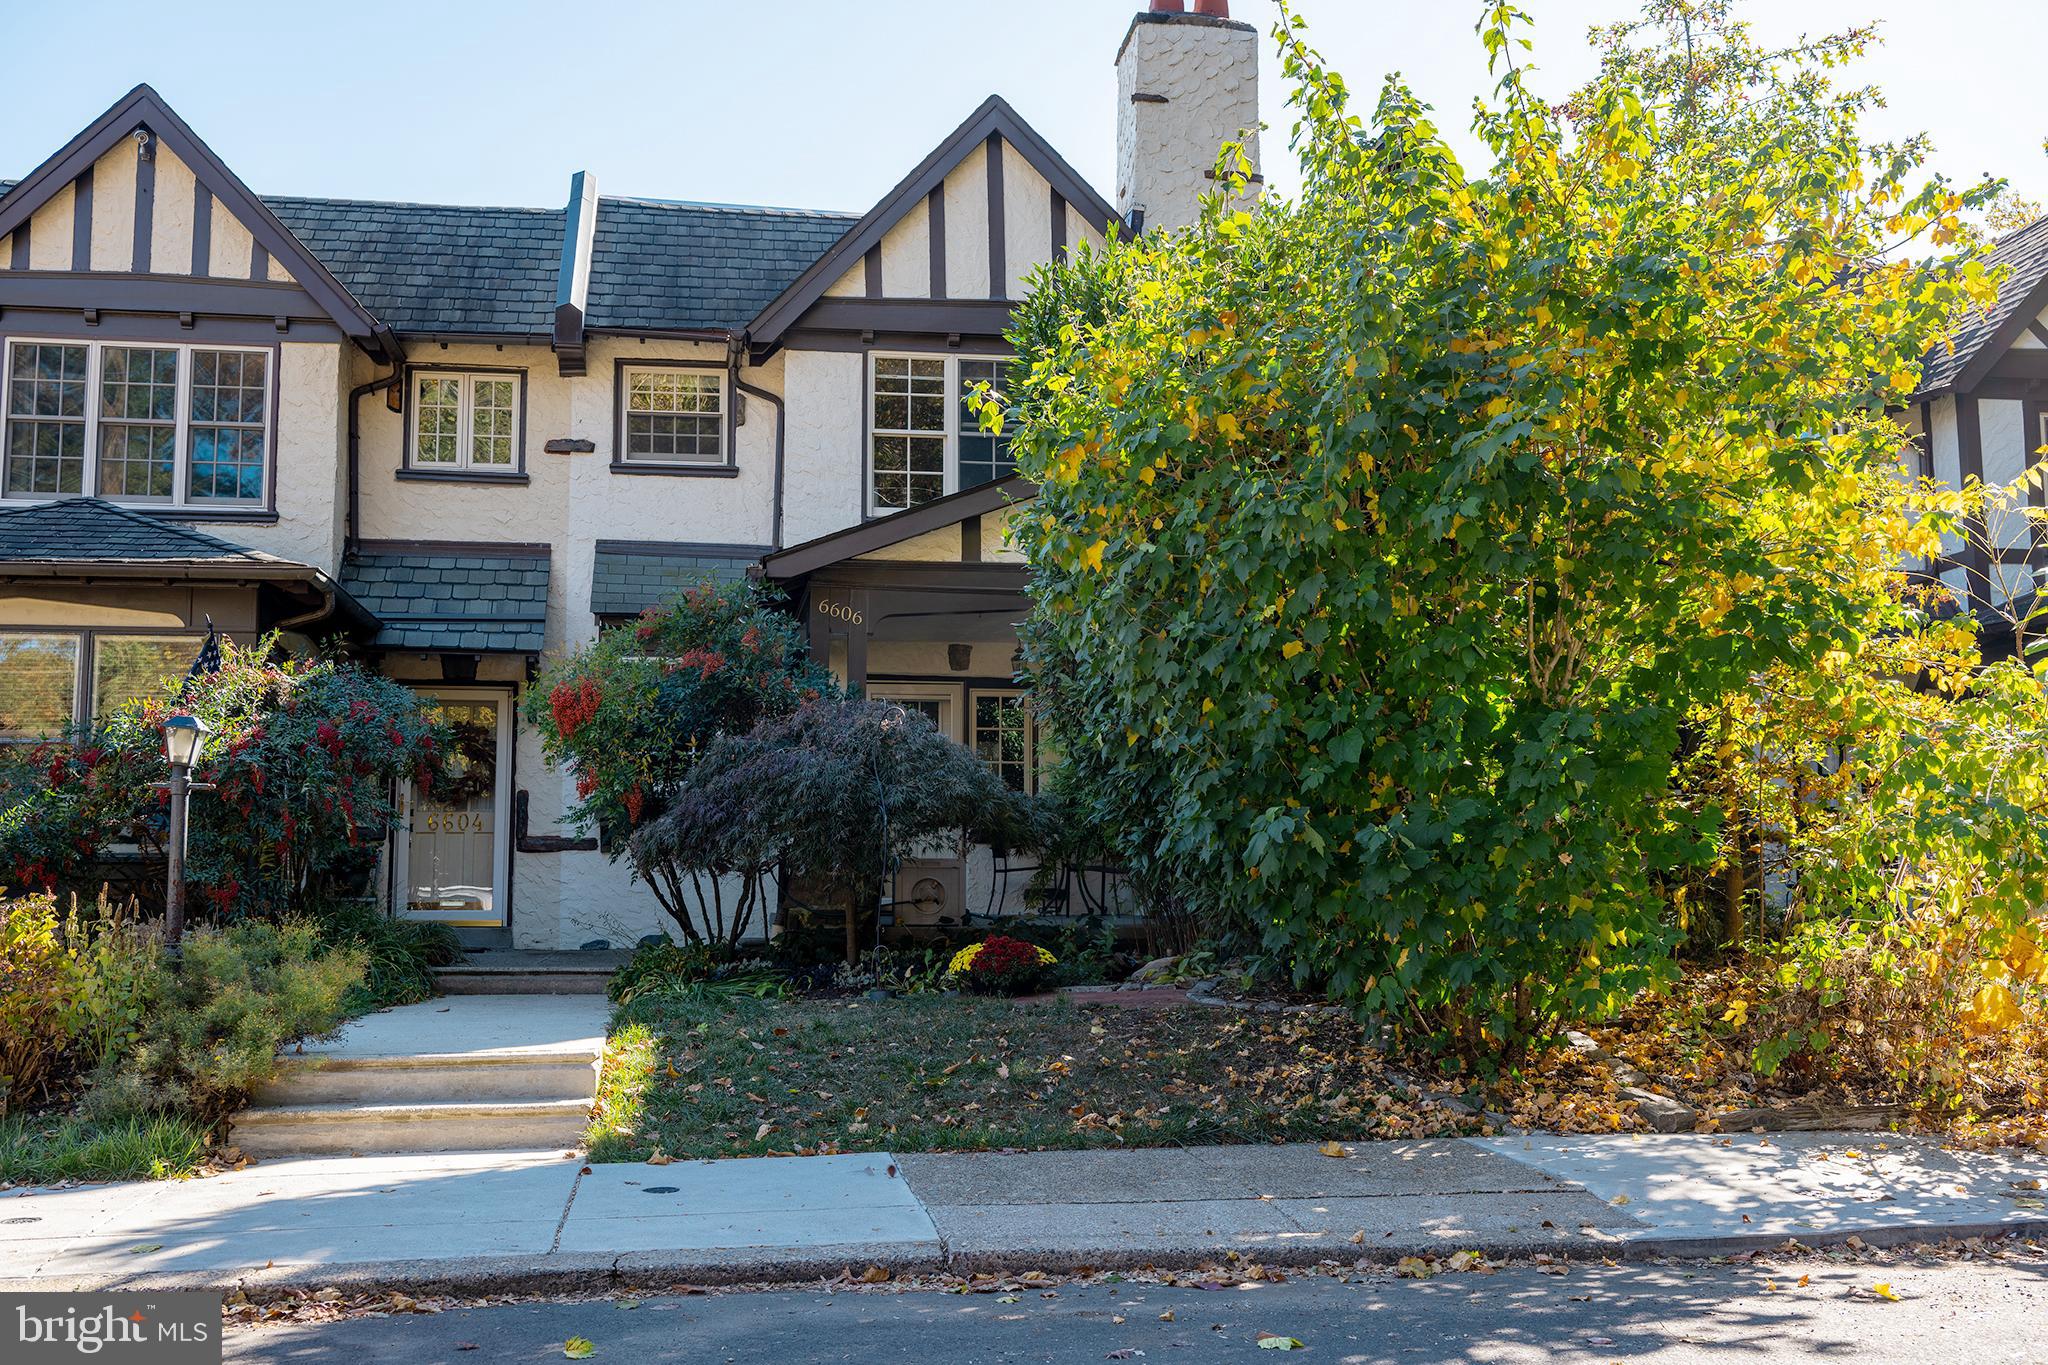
pixel 506 1221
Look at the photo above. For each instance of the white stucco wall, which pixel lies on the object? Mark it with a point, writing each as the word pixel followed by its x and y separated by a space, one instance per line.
pixel 2002 424
pixel 852 285
pixel 113 208
pixel 1209 74
pixel 312 384
pixel 170 231
pixel 230 246
pixel 1947 457
pixel 49 233
pixel 967 227
pixel 1027 221
pixel 822 492
pixel 906 256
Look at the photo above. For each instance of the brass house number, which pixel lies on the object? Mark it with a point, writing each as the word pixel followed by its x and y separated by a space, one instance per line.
pixel 454 822
pixel 839 611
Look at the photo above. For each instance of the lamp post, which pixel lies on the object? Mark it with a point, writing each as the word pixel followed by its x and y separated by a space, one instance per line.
pixel 184 740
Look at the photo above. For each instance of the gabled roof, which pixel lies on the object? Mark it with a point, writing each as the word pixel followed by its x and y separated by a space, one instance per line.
pixel 1986 336
pixel 142 107
pixel 656 266
pixel 994 116
pixel 93 531
pixel 883 532
pixel 472 598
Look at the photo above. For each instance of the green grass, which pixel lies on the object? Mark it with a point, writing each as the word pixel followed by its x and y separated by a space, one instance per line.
pixel 700 1078
pixel 40 1151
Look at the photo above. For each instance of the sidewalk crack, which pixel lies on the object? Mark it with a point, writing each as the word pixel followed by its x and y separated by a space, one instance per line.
pixel 555 1243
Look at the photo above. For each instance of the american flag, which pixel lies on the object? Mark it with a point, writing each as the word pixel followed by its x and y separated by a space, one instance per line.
pixel 208 660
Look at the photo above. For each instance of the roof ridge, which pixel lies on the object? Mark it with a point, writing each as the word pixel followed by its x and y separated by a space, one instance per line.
pixel 402 203
pixel 718 206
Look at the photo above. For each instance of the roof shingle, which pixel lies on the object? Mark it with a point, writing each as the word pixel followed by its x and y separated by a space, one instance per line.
pixel 94 531
pixel 477 599
pixel 655 265
pixel 627 577
pixel 2024 251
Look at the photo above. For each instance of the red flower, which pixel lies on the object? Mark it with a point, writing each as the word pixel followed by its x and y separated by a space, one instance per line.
pixel 586 783
pixel 636 801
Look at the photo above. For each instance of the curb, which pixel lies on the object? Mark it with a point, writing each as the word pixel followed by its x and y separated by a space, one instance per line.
pixel 557 1273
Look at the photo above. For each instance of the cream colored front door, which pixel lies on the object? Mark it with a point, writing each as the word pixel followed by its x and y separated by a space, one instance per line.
pixel 453 855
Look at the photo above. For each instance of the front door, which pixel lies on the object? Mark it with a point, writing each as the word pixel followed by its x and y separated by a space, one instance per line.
pixel 453 855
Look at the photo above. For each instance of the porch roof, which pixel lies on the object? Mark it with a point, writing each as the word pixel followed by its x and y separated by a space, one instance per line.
pixel 629 576
pixel 95 531
pixel 462 597
pixel 883 532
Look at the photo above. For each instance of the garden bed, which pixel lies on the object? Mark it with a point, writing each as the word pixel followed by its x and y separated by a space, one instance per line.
pixel 941 1073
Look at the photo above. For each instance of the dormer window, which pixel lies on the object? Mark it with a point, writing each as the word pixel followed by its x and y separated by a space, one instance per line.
pixel 924 438
pixel 173 426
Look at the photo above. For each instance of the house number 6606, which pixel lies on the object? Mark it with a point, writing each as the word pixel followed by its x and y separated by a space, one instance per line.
pixel 840 611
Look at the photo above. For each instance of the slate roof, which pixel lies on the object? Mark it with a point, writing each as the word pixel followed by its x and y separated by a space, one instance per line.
pixel 479 599
pixel 2025 252
pixel 93 531
pixel 655 265
pixel 628 577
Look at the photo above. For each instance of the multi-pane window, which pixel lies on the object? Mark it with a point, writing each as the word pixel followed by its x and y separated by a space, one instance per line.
pixel 230 414
pixel 46 418
pixel 673 416
pixel 984 455
pixel 925 439
pixel 1003 738
pixel 466 422
pixel 125 667
pixel 138 422
pixel 178 425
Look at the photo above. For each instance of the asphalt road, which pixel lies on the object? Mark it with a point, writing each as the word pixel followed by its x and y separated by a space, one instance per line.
pixel 1951 1312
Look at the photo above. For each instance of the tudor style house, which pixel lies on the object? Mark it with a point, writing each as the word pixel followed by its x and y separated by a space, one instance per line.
pixel 459 440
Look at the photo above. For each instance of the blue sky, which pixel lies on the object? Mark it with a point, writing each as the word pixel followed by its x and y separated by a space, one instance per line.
pixel 821 103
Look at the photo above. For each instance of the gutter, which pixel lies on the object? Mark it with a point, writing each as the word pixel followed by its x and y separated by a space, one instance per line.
pixel 781 427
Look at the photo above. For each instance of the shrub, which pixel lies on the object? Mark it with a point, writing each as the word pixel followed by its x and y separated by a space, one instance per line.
pixel 306 758
pixel 400 954
pixel 1001 965
pixel 703 968
pixel 634 711
pixel 74 990
pixel 1388 538
pixel 240 993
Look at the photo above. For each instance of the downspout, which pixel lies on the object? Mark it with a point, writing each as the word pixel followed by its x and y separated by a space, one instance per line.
pixel 733 358
pixel 352 525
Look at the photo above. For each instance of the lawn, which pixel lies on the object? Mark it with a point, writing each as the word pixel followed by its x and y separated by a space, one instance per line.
pixel 691 1078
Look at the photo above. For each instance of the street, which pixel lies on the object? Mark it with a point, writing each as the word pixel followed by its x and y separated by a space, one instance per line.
pixel 1987 1313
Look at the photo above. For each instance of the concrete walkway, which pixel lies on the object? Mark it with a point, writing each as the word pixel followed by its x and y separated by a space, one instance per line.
pixel 511 1220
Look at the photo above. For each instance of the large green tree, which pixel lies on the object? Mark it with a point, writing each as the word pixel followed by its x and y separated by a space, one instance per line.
pixel 1390 537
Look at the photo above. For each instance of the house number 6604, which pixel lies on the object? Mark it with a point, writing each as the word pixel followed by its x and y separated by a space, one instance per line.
pixel 839 611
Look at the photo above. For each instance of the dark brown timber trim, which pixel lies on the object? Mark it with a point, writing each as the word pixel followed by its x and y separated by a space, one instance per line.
pixel 20 249
pixel 145 203
pixel 81 221
pixel 970 540
pixel 1059 226
pixel 1970 458
pixel 935 234
pixel 941 317
pixel 871 264
pixel 998 248
pixel 202 228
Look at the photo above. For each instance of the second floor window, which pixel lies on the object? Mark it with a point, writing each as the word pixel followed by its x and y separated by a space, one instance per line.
pixel 179 426
pixel 465 422
pixel 672 416
pixel 924 438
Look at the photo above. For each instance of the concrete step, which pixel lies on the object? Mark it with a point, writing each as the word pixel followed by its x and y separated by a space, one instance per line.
pixel 471 979
pixel 570 1074
pixel 473 1125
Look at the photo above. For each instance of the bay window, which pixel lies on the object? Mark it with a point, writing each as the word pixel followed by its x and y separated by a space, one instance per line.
pixel 175 426
pixel 924 438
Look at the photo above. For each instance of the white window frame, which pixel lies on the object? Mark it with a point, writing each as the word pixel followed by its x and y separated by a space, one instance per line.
pixel 465 463
pixel 950 466
pixel 696 369
pixel 181 460
pixel 972 729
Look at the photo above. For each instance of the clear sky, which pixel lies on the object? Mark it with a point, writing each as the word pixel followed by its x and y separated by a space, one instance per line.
pixel 822 103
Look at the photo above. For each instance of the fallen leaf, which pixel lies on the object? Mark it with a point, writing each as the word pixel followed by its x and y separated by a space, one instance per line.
pixel 1885 1292
pixel 660 1158
pixel 1268 1341
pixel 1334 1148
pixel 1619 1200
pixel 146 1246
pixel 763 1131
pixel 1803 1280
pixel 1167 1316
pixel 1358 1237
pixel 579 1348
pixel 874 1274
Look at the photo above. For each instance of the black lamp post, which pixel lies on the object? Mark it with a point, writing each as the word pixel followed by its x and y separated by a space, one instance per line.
pixel 184 740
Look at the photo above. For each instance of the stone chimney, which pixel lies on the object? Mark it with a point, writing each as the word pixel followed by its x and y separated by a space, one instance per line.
pixel 1186 83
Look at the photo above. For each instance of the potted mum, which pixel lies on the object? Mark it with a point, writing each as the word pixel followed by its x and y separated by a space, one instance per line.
pixel 1000 965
